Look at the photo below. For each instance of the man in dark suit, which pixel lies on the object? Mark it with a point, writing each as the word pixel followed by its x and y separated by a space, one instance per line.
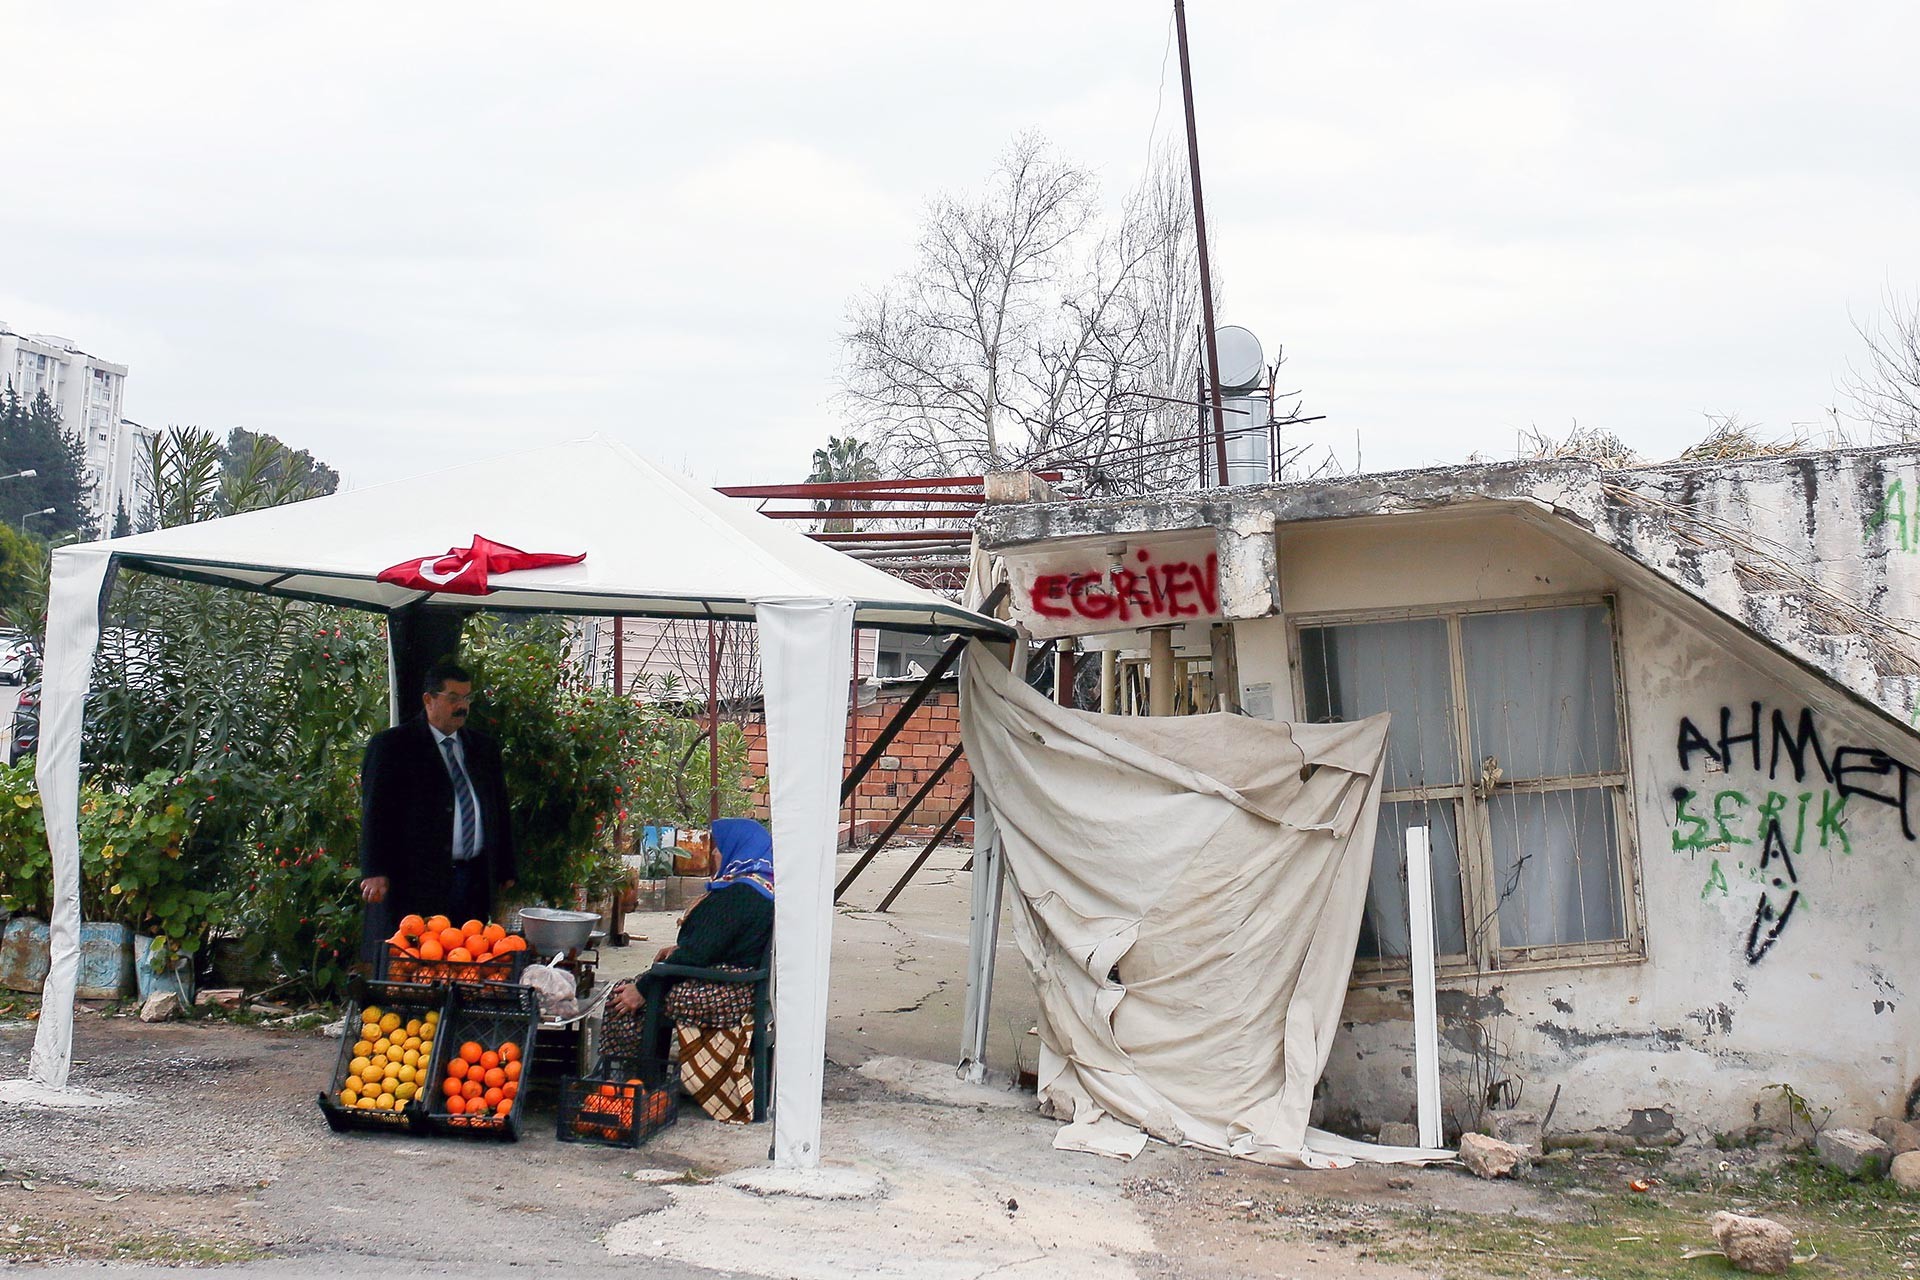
pixel 436 833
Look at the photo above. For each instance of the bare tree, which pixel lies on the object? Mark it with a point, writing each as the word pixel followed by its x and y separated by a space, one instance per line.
pixel 1886 394
pixel 1032 331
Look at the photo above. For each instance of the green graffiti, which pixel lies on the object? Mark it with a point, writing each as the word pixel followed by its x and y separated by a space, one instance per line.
pixel 1893 511
pixel 1716 879
pixel 1732 818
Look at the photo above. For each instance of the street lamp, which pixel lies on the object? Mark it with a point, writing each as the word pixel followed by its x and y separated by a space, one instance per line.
pixel 28 474
pixel 45 511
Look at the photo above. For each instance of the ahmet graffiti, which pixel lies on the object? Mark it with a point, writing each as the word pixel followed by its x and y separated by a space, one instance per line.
pixel 1782 825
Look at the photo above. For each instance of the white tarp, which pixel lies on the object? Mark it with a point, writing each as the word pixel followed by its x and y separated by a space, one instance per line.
pixel 1188 895
pixel 656 544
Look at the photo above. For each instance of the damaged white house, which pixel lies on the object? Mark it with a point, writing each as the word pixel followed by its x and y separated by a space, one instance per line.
pixel 1656 723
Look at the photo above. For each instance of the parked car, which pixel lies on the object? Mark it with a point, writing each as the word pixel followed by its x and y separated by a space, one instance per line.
pixel 18 661
pixel 26 724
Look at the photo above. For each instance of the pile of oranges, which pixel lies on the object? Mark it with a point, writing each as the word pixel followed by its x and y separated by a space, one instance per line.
pixel 482 1083
pixel 391 1060
pixel 607 1112
pixel 436 938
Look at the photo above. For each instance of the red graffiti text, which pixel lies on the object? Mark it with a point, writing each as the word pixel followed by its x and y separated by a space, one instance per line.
pixel 1145 593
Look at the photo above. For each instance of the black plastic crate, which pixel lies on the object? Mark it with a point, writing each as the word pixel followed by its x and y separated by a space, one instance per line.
pixel 491 1015
pixel 395 965
pixel 613 1107
pixel 410 1003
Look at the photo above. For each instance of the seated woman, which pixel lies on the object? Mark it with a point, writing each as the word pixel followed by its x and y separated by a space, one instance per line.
pixel 730 928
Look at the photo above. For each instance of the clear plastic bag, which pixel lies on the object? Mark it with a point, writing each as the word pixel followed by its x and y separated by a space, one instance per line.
pixel 558 990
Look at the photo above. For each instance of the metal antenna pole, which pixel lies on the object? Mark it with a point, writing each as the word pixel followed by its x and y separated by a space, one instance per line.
pixel 1200 236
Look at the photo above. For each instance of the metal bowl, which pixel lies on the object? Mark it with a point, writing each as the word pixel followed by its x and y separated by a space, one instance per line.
pixel 550 932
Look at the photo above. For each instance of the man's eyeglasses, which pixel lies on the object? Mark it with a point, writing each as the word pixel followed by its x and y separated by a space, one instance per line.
pixel 458 699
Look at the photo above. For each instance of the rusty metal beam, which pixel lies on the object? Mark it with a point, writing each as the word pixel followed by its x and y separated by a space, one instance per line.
pixel 899 820
pixel 946 829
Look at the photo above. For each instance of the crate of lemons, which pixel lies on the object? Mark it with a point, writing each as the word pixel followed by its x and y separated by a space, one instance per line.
pixel 386 1058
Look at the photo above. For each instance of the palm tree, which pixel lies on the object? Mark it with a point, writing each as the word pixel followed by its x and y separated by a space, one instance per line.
pixel 844 458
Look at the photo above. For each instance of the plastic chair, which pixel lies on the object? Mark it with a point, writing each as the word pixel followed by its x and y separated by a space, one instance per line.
pixel 761 1046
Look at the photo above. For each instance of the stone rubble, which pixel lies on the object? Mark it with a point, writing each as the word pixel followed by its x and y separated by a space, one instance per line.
pixel 1491 1158
pixel 1757 1245
pixel 1856 1154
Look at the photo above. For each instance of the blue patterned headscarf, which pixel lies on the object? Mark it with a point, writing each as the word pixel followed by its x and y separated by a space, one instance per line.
pixel 746 856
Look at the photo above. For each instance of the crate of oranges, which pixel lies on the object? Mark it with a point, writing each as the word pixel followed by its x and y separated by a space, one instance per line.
pixel 434 949
pixel 385 1064
pixel 483 1048
pixel 612 1107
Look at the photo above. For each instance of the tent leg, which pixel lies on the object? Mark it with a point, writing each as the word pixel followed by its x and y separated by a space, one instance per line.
pixel 989 874
pixel 807 658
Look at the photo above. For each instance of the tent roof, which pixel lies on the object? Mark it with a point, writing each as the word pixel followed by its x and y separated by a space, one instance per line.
pixel 656 544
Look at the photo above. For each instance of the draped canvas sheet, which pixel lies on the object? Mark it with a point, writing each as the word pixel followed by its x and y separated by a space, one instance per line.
pixel 1219 864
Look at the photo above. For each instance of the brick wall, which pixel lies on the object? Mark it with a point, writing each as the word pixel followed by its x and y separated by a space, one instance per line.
pixel 916 751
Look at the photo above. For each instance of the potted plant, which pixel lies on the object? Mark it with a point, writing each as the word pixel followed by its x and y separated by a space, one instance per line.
pixel 146 863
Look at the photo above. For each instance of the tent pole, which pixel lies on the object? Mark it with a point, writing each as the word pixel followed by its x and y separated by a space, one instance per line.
pixel 713 725
pixel 619 656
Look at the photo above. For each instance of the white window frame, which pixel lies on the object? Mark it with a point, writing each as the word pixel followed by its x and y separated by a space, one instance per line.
pixel 1478 887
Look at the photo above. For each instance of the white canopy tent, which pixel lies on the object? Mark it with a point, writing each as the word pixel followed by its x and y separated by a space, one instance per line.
pixel 656 544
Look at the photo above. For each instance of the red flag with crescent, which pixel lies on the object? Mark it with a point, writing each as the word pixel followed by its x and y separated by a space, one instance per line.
pixel 464 570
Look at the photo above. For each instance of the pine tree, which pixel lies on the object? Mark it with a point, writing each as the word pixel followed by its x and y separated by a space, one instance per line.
pixel 32 438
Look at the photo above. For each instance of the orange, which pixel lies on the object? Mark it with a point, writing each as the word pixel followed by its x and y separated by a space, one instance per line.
pixel 493 1097
pixel 436 923
pixel 506 1105
pixel 472 926
pixel 512 942
pixel 489 1060
pixel 455 1106
pixel 471 1089
pixel 481 956
pixel 460 955
pixel 412 926
pixel 608 1091
pixel 399 938
pixel 430 949
pixel 471 1051
pixel 451 1088
pixel 509 1090
pixel 511 1070
pixel 451 938
pixel 509 1052
pixel 494 1078
pixel 493 932
pixel 457 1069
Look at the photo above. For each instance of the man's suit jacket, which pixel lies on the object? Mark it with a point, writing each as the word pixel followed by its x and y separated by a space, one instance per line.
pixel 406 816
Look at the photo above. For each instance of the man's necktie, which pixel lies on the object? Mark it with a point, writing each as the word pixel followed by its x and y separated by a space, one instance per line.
pixel 463 803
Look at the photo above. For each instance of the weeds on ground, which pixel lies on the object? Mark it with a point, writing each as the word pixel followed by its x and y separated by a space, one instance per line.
pixel 1846 1228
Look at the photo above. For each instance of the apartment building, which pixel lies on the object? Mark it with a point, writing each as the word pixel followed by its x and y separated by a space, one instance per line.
pixel 89 393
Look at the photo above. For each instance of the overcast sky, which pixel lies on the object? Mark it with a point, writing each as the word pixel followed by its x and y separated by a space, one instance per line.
pixel 393 233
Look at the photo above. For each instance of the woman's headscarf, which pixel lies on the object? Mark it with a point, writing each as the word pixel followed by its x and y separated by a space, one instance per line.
pixel 746 856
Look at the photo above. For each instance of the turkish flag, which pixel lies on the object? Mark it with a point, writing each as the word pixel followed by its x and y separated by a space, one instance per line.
pixel 463 570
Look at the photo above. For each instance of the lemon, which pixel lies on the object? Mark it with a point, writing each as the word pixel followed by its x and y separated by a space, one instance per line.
pixel 370 1014
pixel 358 1065
pixel 368 1102
pixel 430 1020
pixel 411 1058
pixel 371 1074
pixel 348 1097
pixel 390 1022
pixel 361 1048
pixel 406 1091
pixel 405 1073
pixel 411 1042
pixel 382 1045
pixel 413 1027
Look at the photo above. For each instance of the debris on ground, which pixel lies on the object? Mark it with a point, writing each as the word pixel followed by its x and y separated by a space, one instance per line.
pixel 1758 1245
pixel 1491 1158
pixel 1854 1153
